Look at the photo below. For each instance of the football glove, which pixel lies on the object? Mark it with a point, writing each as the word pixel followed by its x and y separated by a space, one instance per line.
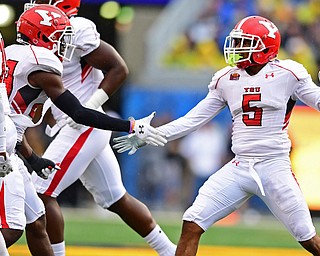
pixel 128 142
pixel 145 132
pixel 42 166
pixel 142 133
pixel 5 166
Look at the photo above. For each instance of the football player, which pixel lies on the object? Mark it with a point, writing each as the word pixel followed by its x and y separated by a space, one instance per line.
pixel 18 195
pixel 260 92
pixel 5 153
pixel 44 34
pixel 85 153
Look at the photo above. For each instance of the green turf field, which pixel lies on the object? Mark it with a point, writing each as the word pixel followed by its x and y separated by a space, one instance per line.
pixel 84 228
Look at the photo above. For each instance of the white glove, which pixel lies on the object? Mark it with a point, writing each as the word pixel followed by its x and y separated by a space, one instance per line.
pixel 5 166
pixel 142 134
pixel 144 131
pixel 128 142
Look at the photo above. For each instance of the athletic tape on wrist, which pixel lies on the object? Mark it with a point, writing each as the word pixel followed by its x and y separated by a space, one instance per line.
pixel 97 99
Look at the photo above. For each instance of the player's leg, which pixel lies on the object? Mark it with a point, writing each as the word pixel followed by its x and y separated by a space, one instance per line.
pixel 285 200
pixel 312 245
pixel 134 213
pixel 55 224
pixel 36 234
pixel 12 210
pixel 219 196
pixel 189 239
pixel 3 248
pixel 37 237
pixel 12 193
pixel 74 150
pixel 103 181
pixel 11 235
pixel 138 217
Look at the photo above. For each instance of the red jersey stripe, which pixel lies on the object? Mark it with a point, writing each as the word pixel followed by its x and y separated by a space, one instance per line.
pixel 20 105
pixel 85 72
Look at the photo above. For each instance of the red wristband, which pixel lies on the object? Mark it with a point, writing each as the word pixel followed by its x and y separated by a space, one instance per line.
pixel 132 124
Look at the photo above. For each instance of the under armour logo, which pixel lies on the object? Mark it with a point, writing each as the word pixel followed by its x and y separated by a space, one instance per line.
pixel 267 75
pixel 236 162
pixel 141 126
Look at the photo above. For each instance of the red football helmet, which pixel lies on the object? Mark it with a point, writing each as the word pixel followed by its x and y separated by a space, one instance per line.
pixel 69 7
pixel 254 40
pixel 47 26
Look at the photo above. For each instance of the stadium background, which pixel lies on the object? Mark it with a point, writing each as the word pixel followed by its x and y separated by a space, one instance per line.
pixel 172 49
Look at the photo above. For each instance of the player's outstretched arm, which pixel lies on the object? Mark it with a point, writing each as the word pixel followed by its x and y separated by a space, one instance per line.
pixel 52 85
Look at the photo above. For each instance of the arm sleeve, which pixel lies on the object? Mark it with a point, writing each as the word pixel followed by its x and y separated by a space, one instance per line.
pixel 309 93
pixel 201 114
pixel 70 105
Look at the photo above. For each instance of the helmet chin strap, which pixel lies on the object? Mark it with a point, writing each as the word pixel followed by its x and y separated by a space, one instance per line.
pixel 247 63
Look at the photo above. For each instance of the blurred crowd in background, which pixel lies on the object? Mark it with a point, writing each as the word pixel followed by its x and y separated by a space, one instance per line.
pixel 168 178
pixel 202 43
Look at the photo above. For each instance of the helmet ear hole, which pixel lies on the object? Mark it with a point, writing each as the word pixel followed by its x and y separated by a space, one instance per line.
pixel 45 39
pixel 265 51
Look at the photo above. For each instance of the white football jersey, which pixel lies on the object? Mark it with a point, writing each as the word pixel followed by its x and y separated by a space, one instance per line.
pixel 81 80
pixel 260 105
pixel 21 61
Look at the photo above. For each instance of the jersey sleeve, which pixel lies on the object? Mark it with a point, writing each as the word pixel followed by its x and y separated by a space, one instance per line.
pixel 42 59
pixel 201 114
pixel 216 77
pixel 86 37
pixel 306 90
pixel 297 69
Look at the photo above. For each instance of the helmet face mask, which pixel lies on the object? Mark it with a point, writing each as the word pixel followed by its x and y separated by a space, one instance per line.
pixel 48 27
pixel 254 40
pixel 63 40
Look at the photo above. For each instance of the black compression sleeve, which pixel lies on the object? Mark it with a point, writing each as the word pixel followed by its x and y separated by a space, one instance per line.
pixel 70 105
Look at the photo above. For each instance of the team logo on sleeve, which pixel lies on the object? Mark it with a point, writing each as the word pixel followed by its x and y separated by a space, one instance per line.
pixel 234 76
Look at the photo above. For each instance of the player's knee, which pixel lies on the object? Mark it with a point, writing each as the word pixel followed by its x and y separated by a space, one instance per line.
pixel 38 227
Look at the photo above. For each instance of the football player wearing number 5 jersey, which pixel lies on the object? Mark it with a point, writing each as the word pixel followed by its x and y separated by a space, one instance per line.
pixel 260 92
pixel 85 153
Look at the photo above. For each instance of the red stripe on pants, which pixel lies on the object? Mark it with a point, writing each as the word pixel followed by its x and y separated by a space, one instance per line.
pixel 3 218
pixel 70 156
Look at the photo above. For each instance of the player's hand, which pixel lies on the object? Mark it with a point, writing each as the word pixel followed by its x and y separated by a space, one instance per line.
pixel 73 124
pixel 128 142
pixel 5 166
pixel 145 132
pixel 42 166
